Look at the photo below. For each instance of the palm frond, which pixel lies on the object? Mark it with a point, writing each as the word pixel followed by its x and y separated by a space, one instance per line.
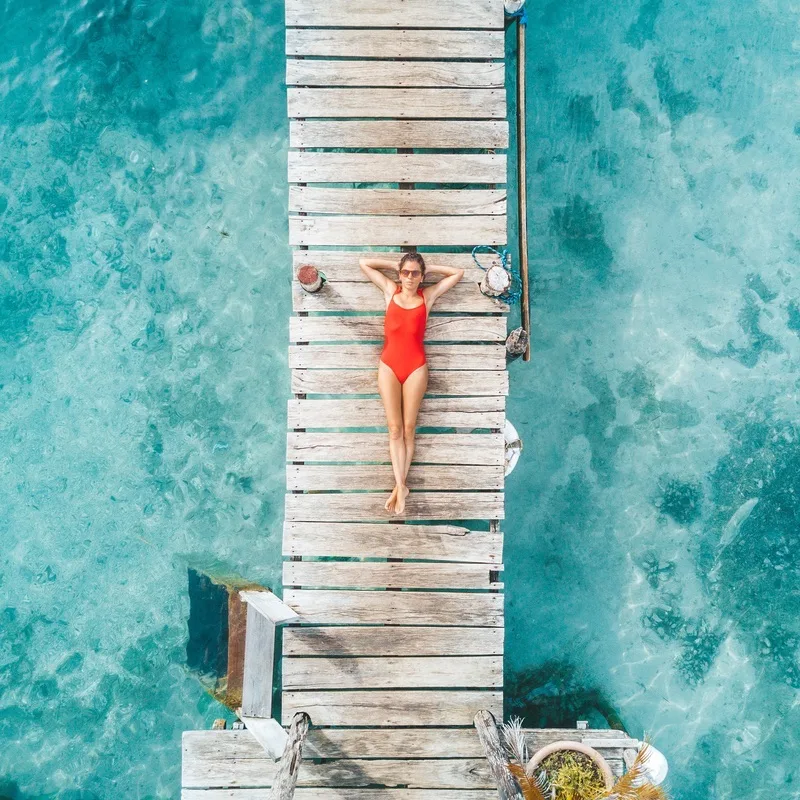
pixel 531 790
pixel 514 740
pixel 633 785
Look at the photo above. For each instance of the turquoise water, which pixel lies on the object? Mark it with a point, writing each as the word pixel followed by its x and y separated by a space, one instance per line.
pixel 144 293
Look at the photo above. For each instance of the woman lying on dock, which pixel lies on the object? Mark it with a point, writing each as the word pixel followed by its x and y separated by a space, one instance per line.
pixel 402 369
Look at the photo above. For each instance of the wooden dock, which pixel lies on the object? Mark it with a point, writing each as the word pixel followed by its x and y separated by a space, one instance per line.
pixel 398 134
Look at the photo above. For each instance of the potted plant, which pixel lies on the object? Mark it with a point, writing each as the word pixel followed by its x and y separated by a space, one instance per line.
pixel 574 771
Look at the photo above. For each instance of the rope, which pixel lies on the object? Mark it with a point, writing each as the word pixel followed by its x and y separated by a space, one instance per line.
pixel 520 14
pixel 514 291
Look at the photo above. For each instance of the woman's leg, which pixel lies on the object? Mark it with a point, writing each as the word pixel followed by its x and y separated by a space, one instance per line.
pixel 413 392
pixel 390 391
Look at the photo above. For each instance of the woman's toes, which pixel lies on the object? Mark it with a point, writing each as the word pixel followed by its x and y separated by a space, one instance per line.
pixel 389 504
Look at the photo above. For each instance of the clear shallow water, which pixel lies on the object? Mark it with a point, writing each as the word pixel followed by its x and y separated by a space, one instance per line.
pixel 143 307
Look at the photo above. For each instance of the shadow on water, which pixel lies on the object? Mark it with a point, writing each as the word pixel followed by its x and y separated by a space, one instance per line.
pixel 553 695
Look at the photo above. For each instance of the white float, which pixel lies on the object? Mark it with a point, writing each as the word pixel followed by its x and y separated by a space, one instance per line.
pixel 513 446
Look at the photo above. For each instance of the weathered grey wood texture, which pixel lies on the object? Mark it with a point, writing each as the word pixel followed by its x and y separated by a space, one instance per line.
pixel 399 642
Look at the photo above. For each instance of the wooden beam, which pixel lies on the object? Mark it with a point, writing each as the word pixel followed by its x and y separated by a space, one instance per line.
pixel 401 708
pixel 289 766
pixel 456 672
pixel 259 655
pixel 404 202
pixel 442 231
pixel 397 43
pixel 356 381
pixel 408 14
pixel 322 607
pixel 388 540
pixel 441 74
pixel 268 605
pixel 310 167
pixel 489 736
pixel 487 449
pixel 366 356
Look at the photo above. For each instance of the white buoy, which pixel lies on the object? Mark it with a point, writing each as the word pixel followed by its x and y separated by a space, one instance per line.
pixel 655 767
pixel 513 447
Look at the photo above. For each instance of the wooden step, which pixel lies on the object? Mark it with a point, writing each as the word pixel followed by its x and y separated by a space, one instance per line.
pixel 463 298
pixel 310 167
pixel 399 708
pixel 399 43
pixel 363 329
pixel 410 13
pixel 483 449
pixel 421 477
pixel 400 133
pixel 392 640
pixel 360 381
pixel 376 575
pixel 430 672
pixel 443 74
pixel 365 540
pixel 396 608
pixel 366 356
pixel 440 412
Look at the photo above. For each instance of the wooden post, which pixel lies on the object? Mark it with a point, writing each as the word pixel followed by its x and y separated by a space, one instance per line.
pixel 286 776
pixel 310 278
pixel 522 188
pixel 496 280
pixel 507 787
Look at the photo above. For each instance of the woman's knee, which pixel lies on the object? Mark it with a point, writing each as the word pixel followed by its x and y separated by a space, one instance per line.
pixel 395 432
pixel 409 432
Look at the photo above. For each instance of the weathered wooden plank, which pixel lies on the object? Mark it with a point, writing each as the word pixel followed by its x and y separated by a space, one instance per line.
pixel 397 608
pixel 344 794
pixel 442 412
pixel 408 14
pixel 392 743
pixel 259 654
pixel 268 733
pixel 386 640
pixel 311 167
pixel 421 477
pixel 366 356
pixel 431 542
pixel 405 202
pixel 449 134
pixel 398 708
pixel 268 605
pixel 442 74
pixel 456 672
pixel 231 761
pixel 420 505
pixel 354 381
pixel 353 231
pixel 397 103
pixel 370 328
pixel 372 575
pixel 342 265
pixel 348 296
pixel 401 43
pixel 440 448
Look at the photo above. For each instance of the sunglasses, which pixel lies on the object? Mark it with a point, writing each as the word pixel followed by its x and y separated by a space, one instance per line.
pixel 410 273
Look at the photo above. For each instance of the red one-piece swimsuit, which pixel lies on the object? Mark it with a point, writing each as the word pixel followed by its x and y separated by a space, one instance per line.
pixel 403 337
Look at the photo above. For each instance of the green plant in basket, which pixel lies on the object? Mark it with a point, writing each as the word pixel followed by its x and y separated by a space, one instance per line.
pixel 568 775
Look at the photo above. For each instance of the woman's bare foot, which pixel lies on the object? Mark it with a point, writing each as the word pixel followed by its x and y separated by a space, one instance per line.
pixel 389 504
pixel 400 502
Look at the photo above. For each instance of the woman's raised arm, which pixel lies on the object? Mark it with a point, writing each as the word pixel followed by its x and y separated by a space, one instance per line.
pixel 433 290
pixel 371 267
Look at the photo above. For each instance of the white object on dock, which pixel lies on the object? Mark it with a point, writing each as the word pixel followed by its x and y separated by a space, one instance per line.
pixel 513 447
